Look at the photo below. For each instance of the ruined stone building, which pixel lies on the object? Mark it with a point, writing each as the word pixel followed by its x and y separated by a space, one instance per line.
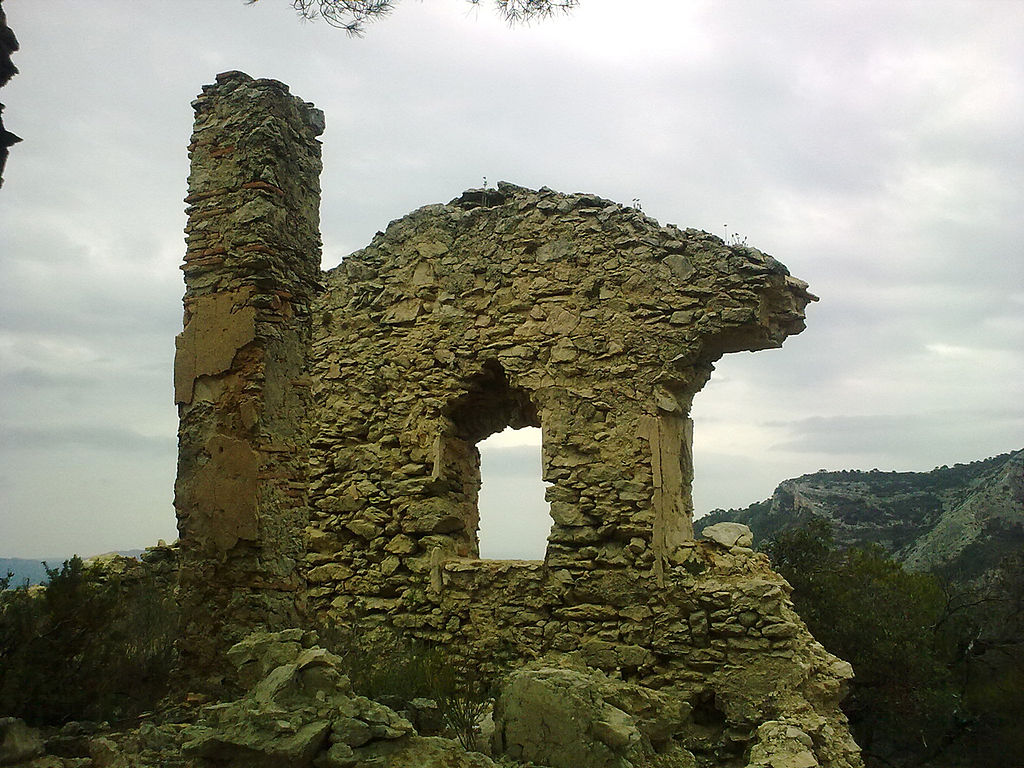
pixel 328 469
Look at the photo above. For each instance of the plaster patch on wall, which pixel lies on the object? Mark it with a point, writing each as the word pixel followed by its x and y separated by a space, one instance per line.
pixel 220 325
pixel 670 437
pixel 223 493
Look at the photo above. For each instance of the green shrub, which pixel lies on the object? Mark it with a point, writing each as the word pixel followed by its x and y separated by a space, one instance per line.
pixel 84 648
pixel 863 607
pixel 938 665
pixel 394 670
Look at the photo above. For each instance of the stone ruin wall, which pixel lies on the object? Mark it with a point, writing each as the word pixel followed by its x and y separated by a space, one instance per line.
pixel 252 268
pixel 328 470
pixel 510 307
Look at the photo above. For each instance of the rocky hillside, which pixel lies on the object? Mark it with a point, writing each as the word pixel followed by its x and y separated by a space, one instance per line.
pixel 961 520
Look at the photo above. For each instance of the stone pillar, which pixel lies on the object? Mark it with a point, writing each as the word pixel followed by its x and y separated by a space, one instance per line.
pixel 252 268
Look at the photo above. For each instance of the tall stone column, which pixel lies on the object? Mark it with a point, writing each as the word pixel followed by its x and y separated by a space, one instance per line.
pixel 251 268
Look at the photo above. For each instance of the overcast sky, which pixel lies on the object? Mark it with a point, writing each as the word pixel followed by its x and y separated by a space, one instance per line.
pixel 875 148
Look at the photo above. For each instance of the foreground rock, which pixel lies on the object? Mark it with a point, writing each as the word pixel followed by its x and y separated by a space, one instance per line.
pixel 18 742
pixel 563 715
pixel 579 718
pixel 301 711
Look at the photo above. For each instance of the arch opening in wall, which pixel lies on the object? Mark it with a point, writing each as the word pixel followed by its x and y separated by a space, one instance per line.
pixel 502 497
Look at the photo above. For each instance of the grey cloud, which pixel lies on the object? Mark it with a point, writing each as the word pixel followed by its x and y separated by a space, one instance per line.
pixel 512 462
pixel 859 144
pixel 35 378
pixel 975 433
pixel 74 296
pixel 734 480
pixel 514 516
pixel 109 439
pixel 514 519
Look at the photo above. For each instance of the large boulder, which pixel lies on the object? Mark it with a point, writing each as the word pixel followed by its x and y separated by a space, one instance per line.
pixel 560 713
pixel 302 708
pixel 261 652
pixel 567 717
pixel 729 534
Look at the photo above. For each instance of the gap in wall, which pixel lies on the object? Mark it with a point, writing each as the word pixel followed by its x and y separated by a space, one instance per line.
pixel 514 517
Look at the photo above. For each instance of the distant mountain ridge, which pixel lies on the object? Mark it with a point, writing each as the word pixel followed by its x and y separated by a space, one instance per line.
pixel 25 569
pixel 962 519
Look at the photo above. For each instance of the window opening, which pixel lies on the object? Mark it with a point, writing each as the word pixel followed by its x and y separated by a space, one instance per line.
pixel 514 516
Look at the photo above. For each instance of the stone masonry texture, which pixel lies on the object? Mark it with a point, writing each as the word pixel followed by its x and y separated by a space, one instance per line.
pixel 511 307
pixel 252 269
pixel 328 464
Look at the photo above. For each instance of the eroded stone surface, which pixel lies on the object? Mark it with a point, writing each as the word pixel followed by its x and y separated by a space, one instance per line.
pixel 302 713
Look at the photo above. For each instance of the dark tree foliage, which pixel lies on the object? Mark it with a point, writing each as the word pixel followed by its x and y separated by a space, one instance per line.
pixel 353 15
pixel 990 645
pixel 939 675
pixel 8 45
pixel 82 648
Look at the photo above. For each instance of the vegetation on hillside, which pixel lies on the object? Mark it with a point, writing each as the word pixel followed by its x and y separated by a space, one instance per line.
pixel 87 647
pixel 939 670
pixel 893 508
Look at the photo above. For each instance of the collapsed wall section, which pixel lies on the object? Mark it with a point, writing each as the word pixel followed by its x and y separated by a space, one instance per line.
pixel 240 377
